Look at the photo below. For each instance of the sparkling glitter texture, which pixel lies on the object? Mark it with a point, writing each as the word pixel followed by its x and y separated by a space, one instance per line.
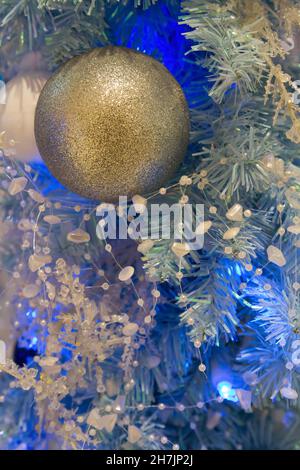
pixel 112 122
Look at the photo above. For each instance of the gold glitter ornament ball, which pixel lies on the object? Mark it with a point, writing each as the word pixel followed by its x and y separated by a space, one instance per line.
pixel 112 122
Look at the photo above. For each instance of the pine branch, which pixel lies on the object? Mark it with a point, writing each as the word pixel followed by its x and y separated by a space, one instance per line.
pixel 210 304
pixel 241 43
pixel 59 29
pixel 231 53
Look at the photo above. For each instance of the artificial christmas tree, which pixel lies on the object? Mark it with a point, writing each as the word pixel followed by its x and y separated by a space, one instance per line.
pixel 149 342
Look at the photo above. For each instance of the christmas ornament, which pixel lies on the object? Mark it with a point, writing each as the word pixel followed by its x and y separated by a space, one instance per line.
pixel 112 122
pixel 17 114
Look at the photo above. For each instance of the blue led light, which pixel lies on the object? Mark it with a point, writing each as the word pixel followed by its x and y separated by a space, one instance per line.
pixel 31 313
pixel 33 342
pixel 226 391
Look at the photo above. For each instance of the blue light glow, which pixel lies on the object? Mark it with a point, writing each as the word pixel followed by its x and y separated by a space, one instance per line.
pixel 34 342
pixel 226 391
pixel 31 314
